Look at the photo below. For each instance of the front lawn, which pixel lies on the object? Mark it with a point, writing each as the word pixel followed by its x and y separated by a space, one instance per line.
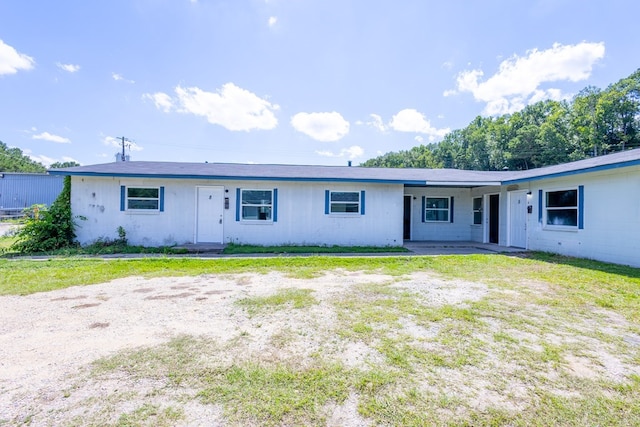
pixel 476 340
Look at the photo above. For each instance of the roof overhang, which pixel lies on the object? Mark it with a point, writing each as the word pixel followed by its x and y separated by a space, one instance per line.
pixel 462 183
pixel 573 172
pixel 237 178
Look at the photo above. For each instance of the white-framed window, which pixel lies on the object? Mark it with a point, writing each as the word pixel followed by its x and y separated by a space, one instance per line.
pixel 344 202
pixel 256 205
pixel 142 198
pixel 477 210
pixel 436 209
pixel 561 208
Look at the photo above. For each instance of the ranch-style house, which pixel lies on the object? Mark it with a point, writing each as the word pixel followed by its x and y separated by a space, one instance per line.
pixel 588 208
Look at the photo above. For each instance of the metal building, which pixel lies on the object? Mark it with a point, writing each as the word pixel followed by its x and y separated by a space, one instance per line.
pixel 22 190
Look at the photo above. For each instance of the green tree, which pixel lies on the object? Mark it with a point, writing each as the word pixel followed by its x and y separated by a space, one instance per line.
pixel 546 133
pixel 62 165
pixel 13 160
pixel 588 131
pixel 417 157
pixel 617 111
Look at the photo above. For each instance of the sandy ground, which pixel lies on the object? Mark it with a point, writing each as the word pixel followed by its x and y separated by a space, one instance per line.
pixel 6 228
pixel 49 342
pixel 47 338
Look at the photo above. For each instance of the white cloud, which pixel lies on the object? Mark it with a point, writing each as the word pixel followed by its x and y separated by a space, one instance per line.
pixel 324 127
pixel 518 80
pixel 117 143
pixel 40 159
pixel 410 120
pixel 46 136
pixel 161 100
pixel 119 77
pixel 419 139
pixel 71 68
pixel 554 94
pixel 377 123
pixel 11 61
pixel 47 161
pixel 354 151
pixel 351 153
pixel 231 107
pixel 273 20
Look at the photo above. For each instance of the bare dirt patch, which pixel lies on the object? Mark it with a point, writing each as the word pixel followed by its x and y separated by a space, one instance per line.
pixel 480 363
pixel 42 345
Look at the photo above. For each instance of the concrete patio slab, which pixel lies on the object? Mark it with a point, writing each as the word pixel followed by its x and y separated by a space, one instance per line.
pixel 457 248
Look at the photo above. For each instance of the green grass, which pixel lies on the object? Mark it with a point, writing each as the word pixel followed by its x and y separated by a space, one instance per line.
pixel 99 248
pixel 505 358
pixel 22 277
pixel 580 282
pixel 5 244
pixel 150 415
pixel 235 249
pixel 293 298
pixel 279 394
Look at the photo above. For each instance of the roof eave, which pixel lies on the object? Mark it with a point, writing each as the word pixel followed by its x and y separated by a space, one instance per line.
pixel 238 178
pixel 574 172
pixel 462 183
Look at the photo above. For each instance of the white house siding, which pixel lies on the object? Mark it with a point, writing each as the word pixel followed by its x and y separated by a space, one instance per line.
pixel 479 233
pixel 611 218
pixel 458 230
pixel 95 202
pixel 301 217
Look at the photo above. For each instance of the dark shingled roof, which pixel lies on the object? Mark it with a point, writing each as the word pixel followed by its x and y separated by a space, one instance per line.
pixel 610 161
pixel 346 173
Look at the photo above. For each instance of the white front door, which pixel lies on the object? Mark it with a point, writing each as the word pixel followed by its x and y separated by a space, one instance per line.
pixel 209 209
pixel 518 219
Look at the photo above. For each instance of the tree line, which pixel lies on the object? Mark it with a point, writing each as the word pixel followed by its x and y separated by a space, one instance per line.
pixel 14 160
pixel 593 123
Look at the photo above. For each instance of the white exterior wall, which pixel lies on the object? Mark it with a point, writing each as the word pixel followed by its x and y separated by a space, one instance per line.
pixel 458 230
pixel 611 218
pixel 480 233
pixel 300 209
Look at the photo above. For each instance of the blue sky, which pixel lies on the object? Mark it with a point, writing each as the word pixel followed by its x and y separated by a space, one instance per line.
pixel 289 81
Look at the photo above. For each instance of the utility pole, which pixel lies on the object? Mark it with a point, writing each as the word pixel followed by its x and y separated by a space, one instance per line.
pixel 123 158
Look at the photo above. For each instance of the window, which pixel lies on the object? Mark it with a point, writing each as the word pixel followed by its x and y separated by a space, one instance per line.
pixel 257 205
pixel 562 208
pixel 143 198
pixel 344 202
pixel 436 209
pixel 477 210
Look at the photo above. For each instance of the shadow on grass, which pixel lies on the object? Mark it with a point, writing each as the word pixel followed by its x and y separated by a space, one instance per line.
pixel 604 267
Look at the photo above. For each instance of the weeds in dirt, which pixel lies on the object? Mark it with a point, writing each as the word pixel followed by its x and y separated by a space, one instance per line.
pixel 285 298
pixel 277 394
pixel 512 341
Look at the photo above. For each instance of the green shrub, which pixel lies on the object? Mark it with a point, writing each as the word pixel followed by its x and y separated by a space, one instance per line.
pixel 51 228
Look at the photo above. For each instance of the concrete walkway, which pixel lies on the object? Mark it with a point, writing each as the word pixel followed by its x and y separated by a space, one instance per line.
pixel 457 248
pixel 415 248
